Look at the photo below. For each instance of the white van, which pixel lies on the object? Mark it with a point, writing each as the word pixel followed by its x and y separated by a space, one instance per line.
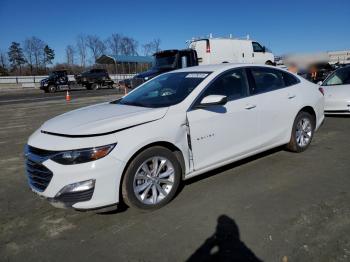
pixel 229 50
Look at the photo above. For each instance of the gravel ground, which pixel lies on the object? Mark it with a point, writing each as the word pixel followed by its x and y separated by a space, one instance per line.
pixel 272 207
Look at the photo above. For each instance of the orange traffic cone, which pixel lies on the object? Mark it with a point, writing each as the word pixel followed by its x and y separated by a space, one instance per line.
pixel 67 96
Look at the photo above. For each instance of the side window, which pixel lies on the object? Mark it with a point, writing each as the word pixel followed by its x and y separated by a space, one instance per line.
pixel 257 47
pixel 289 79
pixel 266 79
pixel 339 77
pixel 232 84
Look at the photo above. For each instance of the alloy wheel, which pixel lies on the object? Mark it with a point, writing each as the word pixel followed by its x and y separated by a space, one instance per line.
pixel 304 132
pixel 154 180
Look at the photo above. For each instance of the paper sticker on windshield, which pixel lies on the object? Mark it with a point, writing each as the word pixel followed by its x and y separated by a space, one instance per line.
pixel 197 75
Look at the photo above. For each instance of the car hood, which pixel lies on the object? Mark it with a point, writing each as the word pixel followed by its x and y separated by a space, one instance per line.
pixel 101 119
pixel 153 72
pixel 45 79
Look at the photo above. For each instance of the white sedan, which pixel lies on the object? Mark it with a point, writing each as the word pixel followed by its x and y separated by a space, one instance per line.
pixel 176 126
pixel 337 92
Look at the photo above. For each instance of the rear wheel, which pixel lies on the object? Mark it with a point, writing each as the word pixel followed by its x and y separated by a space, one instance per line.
pixel 269 63
pixel 152 179
pixel 302 132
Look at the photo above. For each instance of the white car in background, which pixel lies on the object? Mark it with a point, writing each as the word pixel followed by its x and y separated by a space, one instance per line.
pixel 176 126
pixel 337 91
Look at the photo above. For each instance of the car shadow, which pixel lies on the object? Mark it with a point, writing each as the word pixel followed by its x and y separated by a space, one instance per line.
pixel 337 116
pixel 224 245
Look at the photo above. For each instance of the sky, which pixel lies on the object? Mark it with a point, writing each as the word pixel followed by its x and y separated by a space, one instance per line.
pixel 283 26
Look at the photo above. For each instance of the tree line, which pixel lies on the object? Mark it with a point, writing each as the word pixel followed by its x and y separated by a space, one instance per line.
pixel 34 56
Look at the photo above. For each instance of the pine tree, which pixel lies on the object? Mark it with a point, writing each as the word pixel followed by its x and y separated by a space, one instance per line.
pixel 49 55
pixel 16 56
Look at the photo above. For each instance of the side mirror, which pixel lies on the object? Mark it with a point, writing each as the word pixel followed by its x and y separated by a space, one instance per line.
pixel 213 100
pixel 319 83
pixel 264 49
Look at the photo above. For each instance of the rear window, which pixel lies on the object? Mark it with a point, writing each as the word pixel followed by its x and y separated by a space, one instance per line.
pixel 289 79
pixel 266 79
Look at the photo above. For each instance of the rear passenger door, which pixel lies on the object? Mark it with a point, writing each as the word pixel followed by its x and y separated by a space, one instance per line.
pixel 278 103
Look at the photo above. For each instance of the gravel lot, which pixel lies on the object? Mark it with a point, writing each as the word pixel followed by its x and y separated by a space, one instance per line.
pixel 274 205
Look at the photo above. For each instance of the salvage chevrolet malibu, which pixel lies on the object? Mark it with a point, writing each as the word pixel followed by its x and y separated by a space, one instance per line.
pixel 178 125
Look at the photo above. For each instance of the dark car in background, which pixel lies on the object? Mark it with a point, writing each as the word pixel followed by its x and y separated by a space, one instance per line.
pixel 319 72
pixel 94 79
pixel 165 61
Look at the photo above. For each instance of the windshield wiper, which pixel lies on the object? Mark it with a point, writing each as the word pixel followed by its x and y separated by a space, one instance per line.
pixel 132 103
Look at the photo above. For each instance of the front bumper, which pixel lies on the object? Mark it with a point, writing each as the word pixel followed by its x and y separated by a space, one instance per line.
pixel 106 172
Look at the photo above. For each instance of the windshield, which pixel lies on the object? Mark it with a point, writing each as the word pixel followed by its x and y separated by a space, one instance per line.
pixel 339 77
pixel 52 74
pixel 165 61
pixel 165 90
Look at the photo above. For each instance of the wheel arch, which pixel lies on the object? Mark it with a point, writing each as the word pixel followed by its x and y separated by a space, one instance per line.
pixel 311 111
pixel 177 152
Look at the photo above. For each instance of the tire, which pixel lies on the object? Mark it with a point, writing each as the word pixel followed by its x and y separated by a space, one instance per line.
pixel 302 132
pixel 149 186
pixel 88 86
pixel 51 89
pixel 269 63
pixel 95 86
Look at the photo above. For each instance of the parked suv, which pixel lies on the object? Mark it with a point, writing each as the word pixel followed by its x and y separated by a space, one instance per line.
pixel 94 79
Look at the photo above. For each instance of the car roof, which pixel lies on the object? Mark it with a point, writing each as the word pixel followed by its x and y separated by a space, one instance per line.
pixel 217 67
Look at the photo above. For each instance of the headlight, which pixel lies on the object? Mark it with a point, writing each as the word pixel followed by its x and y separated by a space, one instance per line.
pixel 82 155
pixel 146 78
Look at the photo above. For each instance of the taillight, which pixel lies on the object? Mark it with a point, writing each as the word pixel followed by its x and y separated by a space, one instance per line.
pixel 208 46
pixel 321 90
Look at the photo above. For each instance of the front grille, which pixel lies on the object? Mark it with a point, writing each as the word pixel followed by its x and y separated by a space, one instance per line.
pixel 39 176
pixel 74 197
pixel 40 152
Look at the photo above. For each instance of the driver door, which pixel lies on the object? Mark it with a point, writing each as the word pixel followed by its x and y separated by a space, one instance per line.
pixel 223 132
pixel 259 56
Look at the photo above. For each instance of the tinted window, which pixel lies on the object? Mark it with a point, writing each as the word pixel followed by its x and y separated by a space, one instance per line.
pixel 289 79
pixel 257 47
pixel 266 79
pixel 232 84
pixel 339 77
pixel 165 90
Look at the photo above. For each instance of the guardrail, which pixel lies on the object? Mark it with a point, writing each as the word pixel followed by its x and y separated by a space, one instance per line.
pixel 36 79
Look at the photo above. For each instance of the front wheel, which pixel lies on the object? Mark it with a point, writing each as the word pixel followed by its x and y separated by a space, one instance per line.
pixel 52 89
pixel 302 132
pixel 95 86
pixel 152 179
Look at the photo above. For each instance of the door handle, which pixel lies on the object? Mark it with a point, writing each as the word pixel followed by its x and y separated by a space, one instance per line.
pixel 248 107
pixel 291 96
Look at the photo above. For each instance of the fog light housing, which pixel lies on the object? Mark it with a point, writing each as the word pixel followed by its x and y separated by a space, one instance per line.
pixel 77 187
